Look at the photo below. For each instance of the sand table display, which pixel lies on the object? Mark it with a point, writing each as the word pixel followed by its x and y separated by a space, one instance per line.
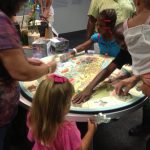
pixel 80 71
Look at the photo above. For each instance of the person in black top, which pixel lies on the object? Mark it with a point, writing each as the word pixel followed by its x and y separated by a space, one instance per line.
pixel 121 59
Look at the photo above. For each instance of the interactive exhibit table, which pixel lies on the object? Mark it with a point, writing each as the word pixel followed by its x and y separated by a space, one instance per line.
pixel 104 104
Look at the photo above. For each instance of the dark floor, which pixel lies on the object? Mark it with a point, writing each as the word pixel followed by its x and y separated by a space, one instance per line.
pixel 114 136
pixel 111 136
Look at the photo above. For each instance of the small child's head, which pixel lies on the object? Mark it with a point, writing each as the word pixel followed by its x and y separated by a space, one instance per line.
pixel 106 21
pixel 50 104
pixel 119 37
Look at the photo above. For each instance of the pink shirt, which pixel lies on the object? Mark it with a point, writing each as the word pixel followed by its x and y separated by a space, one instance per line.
pixel 68 138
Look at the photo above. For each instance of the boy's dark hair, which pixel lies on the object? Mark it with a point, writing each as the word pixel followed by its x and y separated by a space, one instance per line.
pixel 109 16
pixel 118 31
pixel 11 7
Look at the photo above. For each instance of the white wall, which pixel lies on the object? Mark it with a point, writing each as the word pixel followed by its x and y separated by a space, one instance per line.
pixel 70 15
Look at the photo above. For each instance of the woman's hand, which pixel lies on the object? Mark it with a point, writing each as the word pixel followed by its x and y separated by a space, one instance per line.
pixel 53 65
pixel 35 61
pixel 123 87
pixel 82 96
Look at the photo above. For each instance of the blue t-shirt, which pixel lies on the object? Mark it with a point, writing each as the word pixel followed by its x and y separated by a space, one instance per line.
pixel 110 48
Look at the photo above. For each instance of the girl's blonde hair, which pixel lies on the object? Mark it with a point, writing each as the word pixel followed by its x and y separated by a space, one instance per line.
pixel 48 109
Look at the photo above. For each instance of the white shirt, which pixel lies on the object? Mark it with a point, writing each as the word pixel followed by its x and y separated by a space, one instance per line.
pixel 138 43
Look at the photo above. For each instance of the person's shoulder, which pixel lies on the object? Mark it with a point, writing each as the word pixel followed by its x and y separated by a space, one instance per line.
pixel 4 18
pixel 96 2
pixel 69 124
pixel 132 21
pixel 68 128
pixel 137 20
pixel 95 7
pixel 3 15
pixel 95 36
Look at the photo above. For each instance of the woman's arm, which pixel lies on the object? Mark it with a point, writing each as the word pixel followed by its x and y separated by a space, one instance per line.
pixel 123 87
pixel 20 69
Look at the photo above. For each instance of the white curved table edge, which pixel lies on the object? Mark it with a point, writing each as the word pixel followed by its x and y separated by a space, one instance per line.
pixel 79 117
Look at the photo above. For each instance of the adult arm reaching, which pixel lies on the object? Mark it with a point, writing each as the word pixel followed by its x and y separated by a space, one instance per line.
pixel 87 92
pixel 20 69
pixel 123 87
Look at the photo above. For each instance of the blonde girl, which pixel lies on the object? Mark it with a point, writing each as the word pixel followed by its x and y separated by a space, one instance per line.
pixel 46 118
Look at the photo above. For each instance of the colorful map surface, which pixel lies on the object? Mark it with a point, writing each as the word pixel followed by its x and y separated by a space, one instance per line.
pixel 80 71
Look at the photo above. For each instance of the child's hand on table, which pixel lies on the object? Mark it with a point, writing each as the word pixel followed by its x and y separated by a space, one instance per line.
pixel 65 57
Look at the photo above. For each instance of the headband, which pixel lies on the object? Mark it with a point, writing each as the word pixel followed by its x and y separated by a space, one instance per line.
pixel 105 27
pixel 57 78
pixel 106 20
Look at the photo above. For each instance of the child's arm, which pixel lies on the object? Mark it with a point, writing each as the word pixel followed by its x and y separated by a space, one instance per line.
pixel 87 139
pixel 84 46
pixel 77 49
